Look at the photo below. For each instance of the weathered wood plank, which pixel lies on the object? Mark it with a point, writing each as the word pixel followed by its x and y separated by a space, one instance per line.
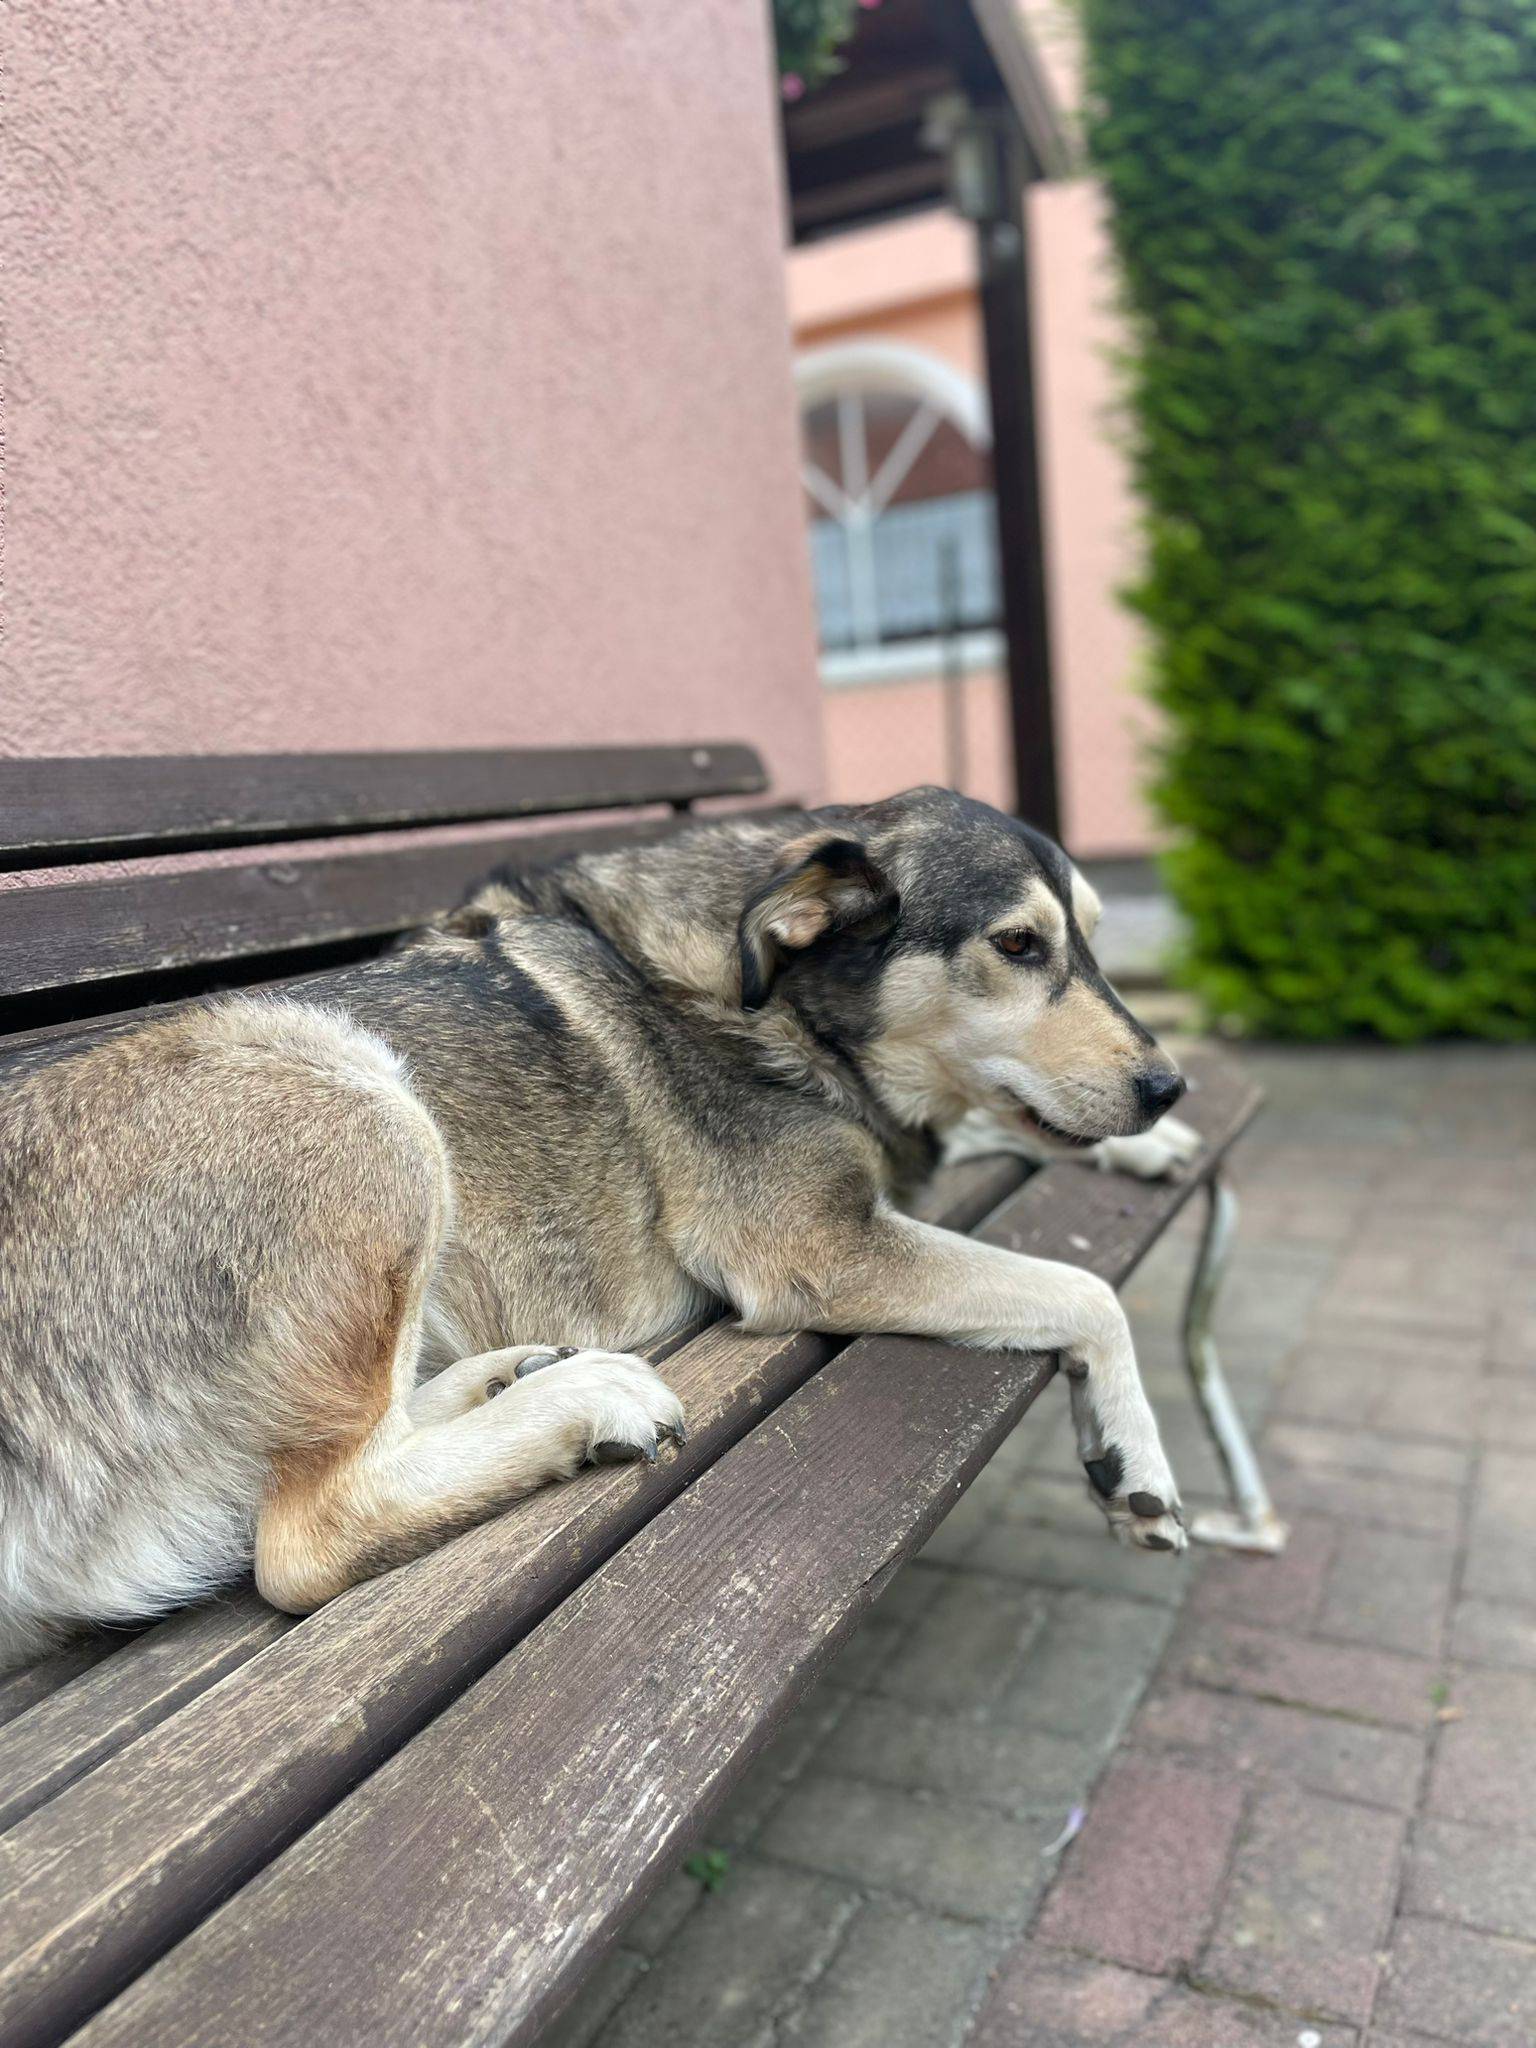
pixel 960 1196
pixel 70 1714
pixel 70 1730
pixel 470 1915
pixel 92 931
pixel 20 1690
pixel 58 810
pixel 106 1876
pixel 457 1896
pixel 101 1879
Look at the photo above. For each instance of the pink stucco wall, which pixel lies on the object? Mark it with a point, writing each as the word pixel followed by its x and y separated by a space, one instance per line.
pixel 399 376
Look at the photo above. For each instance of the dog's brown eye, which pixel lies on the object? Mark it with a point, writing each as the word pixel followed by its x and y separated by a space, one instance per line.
pixel 1020 945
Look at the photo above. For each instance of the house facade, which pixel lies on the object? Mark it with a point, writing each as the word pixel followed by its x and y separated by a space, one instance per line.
pixel 892 384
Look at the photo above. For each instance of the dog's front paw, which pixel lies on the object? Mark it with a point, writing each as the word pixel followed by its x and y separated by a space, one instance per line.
pixel 1131 1482
pixel 980 1134
pixel 1159 1154
pixel 621 1406
pixel 1138 1499
pixel 1148 1521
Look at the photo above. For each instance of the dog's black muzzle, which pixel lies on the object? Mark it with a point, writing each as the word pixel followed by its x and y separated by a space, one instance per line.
pixel 1157 1090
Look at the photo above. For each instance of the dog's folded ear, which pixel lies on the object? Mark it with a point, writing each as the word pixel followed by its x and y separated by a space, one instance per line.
pixel 823 885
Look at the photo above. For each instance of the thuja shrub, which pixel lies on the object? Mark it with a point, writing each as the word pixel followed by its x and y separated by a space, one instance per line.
pixel 1325 213
pixel 808 35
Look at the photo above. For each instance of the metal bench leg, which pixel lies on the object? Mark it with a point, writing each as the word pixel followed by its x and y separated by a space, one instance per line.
pixel 1251 1523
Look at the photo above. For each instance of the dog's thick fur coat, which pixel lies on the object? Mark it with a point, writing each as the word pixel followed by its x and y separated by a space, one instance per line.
pixel 283 1280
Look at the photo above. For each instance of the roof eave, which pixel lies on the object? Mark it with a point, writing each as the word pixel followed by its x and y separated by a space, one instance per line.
pixel 1024 79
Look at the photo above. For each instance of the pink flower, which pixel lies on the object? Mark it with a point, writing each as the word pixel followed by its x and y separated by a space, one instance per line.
pixel 792 85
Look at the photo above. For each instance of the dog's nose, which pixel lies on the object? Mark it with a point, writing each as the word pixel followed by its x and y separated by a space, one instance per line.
pixel 1158 1089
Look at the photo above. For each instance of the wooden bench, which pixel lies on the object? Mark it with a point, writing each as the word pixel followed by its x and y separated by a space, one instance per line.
pixel 419 1815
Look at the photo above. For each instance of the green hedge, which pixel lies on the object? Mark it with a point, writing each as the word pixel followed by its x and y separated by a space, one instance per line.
pixel 808 35
pixel 1325 212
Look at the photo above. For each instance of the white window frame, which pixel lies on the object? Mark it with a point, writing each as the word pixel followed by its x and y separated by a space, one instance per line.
pixel 820 373
pixel 944 393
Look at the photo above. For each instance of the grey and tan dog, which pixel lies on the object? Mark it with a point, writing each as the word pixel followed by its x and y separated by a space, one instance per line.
pixel 316 1282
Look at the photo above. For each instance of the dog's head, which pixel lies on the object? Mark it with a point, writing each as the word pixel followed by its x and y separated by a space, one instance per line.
pixel 944 947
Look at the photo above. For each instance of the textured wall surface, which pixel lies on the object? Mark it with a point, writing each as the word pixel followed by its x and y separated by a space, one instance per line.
pixel 399 376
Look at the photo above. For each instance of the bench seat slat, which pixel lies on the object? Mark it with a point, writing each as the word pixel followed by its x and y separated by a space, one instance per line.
pixel 20 1690
pixel 489 1859
pixel 66 1734
pixel 58 810
pixel 99 1880
pixel 669 1668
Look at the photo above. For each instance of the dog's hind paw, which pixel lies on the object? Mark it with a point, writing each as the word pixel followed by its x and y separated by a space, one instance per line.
pixel 622 1405
pixel 538 1356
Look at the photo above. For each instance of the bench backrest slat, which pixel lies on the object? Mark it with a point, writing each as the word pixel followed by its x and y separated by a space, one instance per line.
pixel 169 936
pixel 55 811
pixel 156 924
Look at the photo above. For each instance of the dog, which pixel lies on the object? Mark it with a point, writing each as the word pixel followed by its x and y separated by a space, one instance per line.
pixel 309 1282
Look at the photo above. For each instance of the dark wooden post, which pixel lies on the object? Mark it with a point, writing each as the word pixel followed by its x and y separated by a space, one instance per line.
pixel 1003 271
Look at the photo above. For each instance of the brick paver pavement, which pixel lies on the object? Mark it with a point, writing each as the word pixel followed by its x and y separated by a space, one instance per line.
pixel 1309 1783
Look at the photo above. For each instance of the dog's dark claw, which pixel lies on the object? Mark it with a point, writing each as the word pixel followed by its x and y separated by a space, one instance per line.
pixel 1147 1505
pixel 678 1431
pixel 537 1360
pixel 1156 1543
pixel 493 1388
pixel 621 1454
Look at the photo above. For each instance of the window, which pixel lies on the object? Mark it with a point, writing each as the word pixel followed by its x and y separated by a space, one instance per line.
pixel 898 491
